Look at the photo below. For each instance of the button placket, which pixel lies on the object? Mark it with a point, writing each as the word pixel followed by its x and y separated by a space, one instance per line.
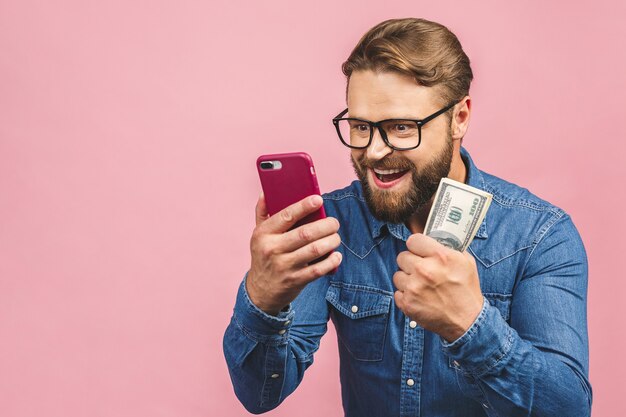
pixel 412 357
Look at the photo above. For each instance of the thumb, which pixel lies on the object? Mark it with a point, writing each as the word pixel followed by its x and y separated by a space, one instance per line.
pixel 261 210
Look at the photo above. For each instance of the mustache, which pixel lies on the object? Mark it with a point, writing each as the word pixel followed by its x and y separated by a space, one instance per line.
pixel 401 164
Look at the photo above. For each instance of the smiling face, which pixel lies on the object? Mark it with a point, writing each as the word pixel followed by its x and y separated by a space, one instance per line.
pixel 397 184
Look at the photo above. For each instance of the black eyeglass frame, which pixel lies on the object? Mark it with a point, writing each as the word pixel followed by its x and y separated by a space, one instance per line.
pixel 383 134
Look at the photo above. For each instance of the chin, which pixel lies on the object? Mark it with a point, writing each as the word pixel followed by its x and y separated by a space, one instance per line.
pixel 390 205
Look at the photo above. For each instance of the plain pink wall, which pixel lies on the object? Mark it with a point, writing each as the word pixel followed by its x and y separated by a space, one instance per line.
pixel 128 135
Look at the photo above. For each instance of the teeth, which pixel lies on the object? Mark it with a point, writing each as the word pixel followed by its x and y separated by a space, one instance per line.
pixel 387 171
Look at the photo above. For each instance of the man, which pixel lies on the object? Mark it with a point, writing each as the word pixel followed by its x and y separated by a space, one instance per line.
pixel 423 330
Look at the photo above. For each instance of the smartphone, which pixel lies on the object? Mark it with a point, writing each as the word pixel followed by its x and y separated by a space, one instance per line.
pixel 287 178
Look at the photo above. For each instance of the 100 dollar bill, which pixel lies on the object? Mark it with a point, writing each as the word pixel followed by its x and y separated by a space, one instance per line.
pixel 457 212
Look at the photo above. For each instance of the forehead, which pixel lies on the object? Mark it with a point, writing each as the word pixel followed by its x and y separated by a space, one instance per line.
pixel 383 95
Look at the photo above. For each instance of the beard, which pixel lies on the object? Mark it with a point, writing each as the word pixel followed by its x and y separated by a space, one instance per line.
pixel 397 207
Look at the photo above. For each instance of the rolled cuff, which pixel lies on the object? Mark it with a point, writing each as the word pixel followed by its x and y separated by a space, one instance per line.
pixel 484 346
pixel 257 324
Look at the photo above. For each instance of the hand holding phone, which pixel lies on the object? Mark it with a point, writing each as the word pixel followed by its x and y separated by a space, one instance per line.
pixel 291 233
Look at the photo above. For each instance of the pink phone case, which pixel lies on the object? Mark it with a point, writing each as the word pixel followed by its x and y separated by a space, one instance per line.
pixel 293 181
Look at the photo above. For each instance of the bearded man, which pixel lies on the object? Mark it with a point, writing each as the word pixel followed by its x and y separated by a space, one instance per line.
pixel 423 330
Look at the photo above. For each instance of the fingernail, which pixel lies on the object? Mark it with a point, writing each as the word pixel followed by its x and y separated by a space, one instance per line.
pixel 315 200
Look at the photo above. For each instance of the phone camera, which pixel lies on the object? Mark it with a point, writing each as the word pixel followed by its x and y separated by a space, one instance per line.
pixel 267 165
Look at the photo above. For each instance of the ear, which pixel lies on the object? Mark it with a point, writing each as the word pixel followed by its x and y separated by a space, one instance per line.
pixel 461 118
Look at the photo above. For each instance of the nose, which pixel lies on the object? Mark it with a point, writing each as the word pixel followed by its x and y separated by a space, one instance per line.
pixel 378 149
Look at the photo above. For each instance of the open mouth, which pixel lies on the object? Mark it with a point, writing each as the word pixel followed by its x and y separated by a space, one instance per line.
pixel 389 175
pixel 388 178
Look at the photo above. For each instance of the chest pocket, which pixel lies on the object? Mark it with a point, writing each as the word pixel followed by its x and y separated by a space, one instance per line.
pixel 361 316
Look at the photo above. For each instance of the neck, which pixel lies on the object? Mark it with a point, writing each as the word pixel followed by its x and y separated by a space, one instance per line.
pixel 458 172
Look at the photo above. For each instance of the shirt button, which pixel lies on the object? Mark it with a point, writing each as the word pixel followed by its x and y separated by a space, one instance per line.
pixel 410 382
pixel 413 324
pixel 287 323
pixel 355 309
pixel 275 376
pixel 281 332
pixel 458 365
pixel 485 405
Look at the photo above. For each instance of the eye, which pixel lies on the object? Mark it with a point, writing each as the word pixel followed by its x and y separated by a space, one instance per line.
pixel 359 126
pixel 401 127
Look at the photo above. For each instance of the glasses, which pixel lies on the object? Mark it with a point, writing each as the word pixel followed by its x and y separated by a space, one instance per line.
pixel 398 134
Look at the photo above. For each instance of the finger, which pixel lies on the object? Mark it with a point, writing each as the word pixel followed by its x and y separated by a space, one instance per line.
pixel 305 234
pixel 401 280
pixel 398 296
pixel 406 261
pixel 312 272
pixel 284 219
pixel 424 246
pixel 315 250
pixel 261 210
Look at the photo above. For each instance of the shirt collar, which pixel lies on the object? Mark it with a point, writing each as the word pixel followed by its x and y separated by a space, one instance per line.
pixel 474 178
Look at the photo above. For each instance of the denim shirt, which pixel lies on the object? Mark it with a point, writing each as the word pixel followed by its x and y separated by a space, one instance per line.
pixel 526 354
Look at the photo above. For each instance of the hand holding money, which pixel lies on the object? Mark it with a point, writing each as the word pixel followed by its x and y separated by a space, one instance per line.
pixel 437 287
pixel 437 281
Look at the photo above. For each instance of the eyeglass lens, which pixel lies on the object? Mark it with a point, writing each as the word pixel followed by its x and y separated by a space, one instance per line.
pixel 400 133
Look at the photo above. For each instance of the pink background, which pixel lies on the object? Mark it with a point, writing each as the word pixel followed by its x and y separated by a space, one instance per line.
pixel 128 135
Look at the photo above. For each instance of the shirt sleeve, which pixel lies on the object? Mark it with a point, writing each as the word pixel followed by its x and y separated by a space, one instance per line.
pixel 267 355
pixel 538 364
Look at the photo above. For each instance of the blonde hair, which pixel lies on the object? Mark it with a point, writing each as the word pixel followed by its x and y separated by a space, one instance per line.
pixel 424 50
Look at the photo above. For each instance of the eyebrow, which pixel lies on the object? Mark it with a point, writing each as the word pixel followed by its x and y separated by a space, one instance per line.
pixel 386 118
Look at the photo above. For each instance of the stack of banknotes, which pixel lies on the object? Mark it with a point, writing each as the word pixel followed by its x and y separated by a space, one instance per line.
pixel 457 212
